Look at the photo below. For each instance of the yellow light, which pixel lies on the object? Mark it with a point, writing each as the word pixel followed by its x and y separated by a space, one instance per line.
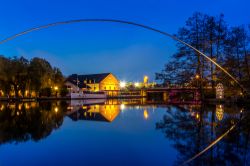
pixel 56 88
pixel 145 79
pixel 219 112
pixel 123 84
pixel 136 84
pixel 2 107
pixel 197 76
pixel 56 109
pixel 145 114
pixel 197 116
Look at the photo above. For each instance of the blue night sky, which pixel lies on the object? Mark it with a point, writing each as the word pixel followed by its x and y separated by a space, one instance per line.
pixel 128 52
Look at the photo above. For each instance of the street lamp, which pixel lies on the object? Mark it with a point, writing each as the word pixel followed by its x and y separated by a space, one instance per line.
pixel 122 84
pixel 197 76
pixel 136 84
pixel 56 89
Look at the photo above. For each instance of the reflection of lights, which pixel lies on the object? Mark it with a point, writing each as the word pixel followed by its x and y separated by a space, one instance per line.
pixel 122 84
pixel 145 114
pixel 122 106
pixel 69 108
pixel 197 116
pixel 19 106
pixel 56 109
pixel 219 112
pixel 27 106
pixel 2 107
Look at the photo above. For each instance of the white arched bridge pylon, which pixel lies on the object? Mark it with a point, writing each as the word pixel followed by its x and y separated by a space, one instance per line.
pixel 129 23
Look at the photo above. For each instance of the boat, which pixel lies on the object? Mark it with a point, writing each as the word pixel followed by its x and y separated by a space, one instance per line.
pixel 88 95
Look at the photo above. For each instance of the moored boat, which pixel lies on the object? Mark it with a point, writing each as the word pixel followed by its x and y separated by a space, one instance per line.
pixel 88 95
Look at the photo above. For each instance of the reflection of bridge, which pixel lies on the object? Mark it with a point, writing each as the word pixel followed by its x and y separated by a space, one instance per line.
pixel 167 94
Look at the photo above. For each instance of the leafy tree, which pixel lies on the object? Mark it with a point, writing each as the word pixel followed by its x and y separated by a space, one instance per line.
pixel 20 75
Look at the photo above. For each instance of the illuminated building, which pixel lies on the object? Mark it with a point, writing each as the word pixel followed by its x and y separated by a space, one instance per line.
pixel 219 91
pixel 145 81
pixel 93 82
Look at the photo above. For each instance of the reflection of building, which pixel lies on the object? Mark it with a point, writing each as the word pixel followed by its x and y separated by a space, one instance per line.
pixel 93 82
pixel 96 112
pixel 219 112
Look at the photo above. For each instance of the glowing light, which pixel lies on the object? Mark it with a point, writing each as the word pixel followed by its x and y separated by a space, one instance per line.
pixel 145 114
pixel 56 88
pixel 2 107
pixel 122 106
pixel 123 84
pixel 197 116
pixel 136 84
pixel 56 109
pixel 145 79
pixel 197 76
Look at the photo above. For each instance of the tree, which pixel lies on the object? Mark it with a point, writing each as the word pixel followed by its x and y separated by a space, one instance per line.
pixel 19 75
pixel 211 35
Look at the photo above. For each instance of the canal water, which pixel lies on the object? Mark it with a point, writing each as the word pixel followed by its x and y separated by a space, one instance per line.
pixel 121 132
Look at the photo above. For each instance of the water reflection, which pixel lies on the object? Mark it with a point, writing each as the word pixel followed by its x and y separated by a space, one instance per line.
pixel 96 112
pixel 193 128
pixel 21 122
pixel 189 128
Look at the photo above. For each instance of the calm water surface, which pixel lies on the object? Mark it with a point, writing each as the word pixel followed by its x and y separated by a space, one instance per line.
pixel 121 133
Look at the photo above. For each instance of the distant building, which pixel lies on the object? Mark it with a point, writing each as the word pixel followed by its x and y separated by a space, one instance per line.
pixel 93 82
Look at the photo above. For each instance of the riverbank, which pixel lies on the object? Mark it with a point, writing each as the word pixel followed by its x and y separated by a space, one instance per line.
pixel 209 101
pixel 63 98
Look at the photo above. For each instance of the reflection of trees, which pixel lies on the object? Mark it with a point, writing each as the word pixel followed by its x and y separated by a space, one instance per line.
pixel 193 130
pixel 21 122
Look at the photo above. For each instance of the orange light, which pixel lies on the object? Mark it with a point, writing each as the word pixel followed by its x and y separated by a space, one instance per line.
pixel 197 76
pixel 145 114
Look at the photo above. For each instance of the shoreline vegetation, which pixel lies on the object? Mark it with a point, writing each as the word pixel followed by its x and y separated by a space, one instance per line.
pixel 23 78
pixel 227 45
